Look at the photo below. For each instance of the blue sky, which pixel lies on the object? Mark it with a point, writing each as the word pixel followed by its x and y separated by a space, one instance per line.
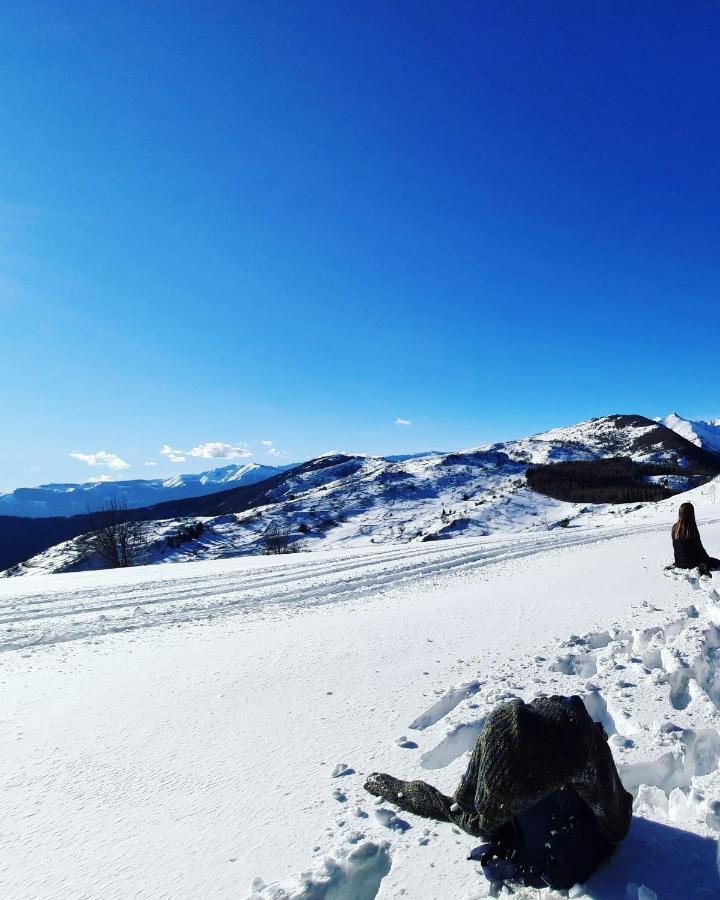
pixel 237 222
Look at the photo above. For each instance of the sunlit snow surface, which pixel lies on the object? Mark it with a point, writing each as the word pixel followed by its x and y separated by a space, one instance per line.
pixel 205 729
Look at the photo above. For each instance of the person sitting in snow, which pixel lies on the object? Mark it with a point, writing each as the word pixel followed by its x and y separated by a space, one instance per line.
pixel 541 786
pixel 689 551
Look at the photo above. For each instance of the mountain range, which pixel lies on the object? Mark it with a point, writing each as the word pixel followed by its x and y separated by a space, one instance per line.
pixel 702 433
pixel 345 499
pixel 73 499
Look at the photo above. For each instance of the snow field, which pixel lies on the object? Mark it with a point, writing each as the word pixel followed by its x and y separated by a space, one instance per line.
pixel 668 753
pixel 48 609
pixel 216 743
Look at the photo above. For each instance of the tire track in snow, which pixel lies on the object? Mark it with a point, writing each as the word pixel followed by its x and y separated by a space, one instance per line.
pixel 34 620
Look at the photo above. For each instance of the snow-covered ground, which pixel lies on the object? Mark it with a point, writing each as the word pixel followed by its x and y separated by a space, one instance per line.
pixel 205 729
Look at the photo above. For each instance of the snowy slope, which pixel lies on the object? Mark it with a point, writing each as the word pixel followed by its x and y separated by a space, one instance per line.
pixel 358 501
pixel 633 436
pixel 402 457
pixel 172 731
pixel 73 499
pixel 704 434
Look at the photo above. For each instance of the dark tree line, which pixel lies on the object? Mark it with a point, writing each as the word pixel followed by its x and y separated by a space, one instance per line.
pixel 616 480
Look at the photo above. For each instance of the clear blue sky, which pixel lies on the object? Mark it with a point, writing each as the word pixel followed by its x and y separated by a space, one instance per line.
pixel 299 222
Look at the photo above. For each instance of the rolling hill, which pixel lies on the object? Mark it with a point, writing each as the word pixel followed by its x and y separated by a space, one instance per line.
pixel 355 500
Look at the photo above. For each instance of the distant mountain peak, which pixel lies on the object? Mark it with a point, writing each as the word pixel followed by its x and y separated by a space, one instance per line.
pixel 48 500
pixel 701 432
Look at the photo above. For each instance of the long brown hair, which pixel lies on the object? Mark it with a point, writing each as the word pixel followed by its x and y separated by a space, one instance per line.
pixel 686 526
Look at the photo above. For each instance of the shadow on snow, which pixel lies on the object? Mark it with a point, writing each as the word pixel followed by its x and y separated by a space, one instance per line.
pixel 672 862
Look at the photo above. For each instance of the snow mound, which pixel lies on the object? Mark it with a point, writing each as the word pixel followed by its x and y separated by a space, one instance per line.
pixel 355 874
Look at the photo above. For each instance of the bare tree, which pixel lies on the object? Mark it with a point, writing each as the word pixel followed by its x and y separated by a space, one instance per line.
pixel 117 540
pixel 276 539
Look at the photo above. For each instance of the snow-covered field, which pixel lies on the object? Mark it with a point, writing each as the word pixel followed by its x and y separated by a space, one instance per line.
pixel 204 729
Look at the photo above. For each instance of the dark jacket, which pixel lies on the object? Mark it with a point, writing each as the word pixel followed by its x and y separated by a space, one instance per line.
pixel 689 552
pixel 529 750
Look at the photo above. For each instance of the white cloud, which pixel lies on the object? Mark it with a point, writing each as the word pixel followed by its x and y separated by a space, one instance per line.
pixel 208 450
pixel 101 458
pixel 150 462
pixel 176 456
pixel 403 422
pixel 100 479
pixel 220 450
pixel 274 451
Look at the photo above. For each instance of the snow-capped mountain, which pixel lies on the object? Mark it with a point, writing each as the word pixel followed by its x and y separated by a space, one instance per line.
pixel 75 499
pixel 702 433
pixel 401 457
pixel 355 500
pixel 637 437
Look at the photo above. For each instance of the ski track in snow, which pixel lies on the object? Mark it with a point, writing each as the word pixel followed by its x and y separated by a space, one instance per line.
pixel 31 617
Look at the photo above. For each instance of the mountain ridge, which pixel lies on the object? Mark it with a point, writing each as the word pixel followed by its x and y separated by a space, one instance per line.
pixel 70 498
pixel 356 499
pixel 75 498
pixel 703 433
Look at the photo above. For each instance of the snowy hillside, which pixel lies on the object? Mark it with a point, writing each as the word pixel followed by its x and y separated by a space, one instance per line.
pixel 206 729
pixel 74 499
pixel 701 433
pixel 634 436
pixel 358 501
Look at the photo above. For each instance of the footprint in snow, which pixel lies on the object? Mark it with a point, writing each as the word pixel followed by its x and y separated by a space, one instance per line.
pixel 445 704
pixel 582 664
pixel 389 819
